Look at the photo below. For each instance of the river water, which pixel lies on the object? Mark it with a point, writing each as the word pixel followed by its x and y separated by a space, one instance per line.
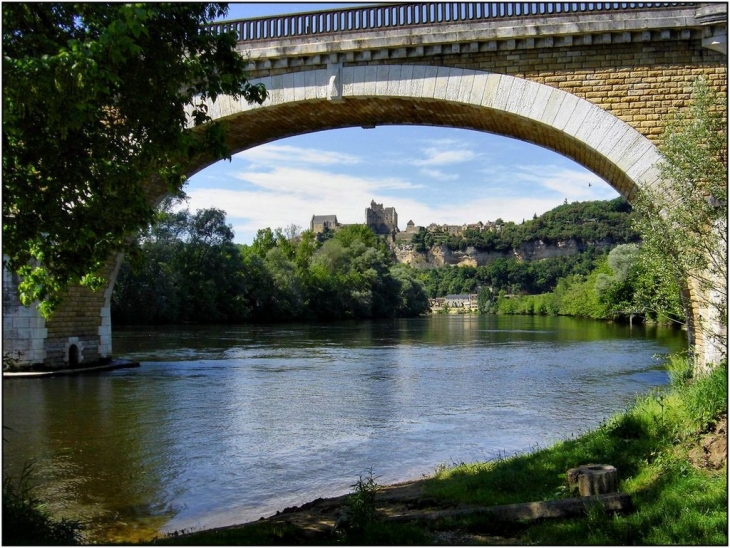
pixel 226 424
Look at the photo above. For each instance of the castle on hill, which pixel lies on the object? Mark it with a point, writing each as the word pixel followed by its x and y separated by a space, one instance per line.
pixel 384 221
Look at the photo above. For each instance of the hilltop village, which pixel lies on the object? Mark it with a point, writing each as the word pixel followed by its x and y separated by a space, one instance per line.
pixel 383 221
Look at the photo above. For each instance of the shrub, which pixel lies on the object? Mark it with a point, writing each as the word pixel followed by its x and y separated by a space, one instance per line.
pixel 26 523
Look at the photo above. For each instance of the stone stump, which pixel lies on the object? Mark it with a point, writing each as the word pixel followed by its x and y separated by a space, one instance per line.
pixel 593 479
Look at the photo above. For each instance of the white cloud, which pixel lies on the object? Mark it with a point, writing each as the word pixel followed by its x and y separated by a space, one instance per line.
pixel 438 174
pixel 272 154
pixel 572 183
pixel 439 157
pixel 276 185
pixel 286 195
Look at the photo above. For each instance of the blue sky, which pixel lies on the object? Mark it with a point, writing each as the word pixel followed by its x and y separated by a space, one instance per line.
pixel 428 174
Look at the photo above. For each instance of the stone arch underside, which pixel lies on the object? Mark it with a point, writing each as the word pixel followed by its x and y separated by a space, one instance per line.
pixel 338 97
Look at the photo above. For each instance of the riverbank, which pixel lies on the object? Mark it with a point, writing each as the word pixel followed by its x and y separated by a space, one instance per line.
pixel 670 450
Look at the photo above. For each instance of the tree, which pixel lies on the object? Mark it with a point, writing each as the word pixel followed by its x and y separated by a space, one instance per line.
pixel 97 99
pixel 683 219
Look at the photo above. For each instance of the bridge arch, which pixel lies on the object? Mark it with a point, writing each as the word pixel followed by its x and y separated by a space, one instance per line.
pixel 369 96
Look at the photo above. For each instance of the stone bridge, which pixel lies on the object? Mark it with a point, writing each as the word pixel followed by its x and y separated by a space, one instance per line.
pixel 592 81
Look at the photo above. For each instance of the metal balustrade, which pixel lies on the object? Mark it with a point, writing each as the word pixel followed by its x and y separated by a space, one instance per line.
pixel 393 16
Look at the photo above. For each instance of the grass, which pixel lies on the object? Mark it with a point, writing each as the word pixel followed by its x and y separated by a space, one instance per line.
pixel 675 503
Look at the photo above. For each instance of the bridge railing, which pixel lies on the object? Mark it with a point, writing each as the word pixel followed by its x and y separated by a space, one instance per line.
pixel 391 16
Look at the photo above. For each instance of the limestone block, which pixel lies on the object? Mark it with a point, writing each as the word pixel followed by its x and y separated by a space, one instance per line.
pixel 539 100
pixel 593 479
pixel 453 81
pixel 477 88
pixel 606 128
pixel 514 100
pixel 299 86
pixel 441 82
pixel 276 91
pixel 579 117
pixel 394 79
pixel 633 153
pixel 503 90
pixel 287 89
pixel 370 81
pixel 429 82
pixel 405 85
pixel 381 85
pixel 617 133
pixel 648 160
pixel 419 77
pixel 555 101
pixel 466 82
pixel 565 113
pixel 311 87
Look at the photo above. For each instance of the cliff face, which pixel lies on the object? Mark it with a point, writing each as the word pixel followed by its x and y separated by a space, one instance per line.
pixel 530 251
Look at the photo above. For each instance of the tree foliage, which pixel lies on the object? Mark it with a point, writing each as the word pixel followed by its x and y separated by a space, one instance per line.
pixel 683 218
pixel 585 222
pixel 192 272
pixel 96 101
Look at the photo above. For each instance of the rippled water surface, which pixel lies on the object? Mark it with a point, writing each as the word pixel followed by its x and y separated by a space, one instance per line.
pixel 225 424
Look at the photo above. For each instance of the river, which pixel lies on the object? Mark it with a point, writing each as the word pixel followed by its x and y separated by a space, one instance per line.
pixel 225 424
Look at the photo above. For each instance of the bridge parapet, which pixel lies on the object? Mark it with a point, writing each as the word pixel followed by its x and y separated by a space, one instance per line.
pixel 388 31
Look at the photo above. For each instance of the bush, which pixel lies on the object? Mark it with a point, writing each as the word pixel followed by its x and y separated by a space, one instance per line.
pixel 26 523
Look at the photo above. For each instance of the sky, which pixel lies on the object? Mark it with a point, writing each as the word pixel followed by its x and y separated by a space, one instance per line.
pixel 428 174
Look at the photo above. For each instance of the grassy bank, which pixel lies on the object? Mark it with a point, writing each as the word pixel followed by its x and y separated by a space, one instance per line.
pixel 676 500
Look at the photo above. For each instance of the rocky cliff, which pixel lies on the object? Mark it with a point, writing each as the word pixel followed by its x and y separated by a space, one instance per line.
pixel 529 251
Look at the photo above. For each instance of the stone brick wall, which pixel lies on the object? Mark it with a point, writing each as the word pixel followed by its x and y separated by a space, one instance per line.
pixel 641 83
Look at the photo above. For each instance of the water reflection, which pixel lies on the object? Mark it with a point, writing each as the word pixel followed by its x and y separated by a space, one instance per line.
pixel 224 424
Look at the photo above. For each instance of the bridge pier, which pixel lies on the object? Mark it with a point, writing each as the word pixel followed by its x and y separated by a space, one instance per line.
pixel 78 334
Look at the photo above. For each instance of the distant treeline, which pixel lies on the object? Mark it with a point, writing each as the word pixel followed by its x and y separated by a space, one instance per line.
pixel 584 222
pixel 189 270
